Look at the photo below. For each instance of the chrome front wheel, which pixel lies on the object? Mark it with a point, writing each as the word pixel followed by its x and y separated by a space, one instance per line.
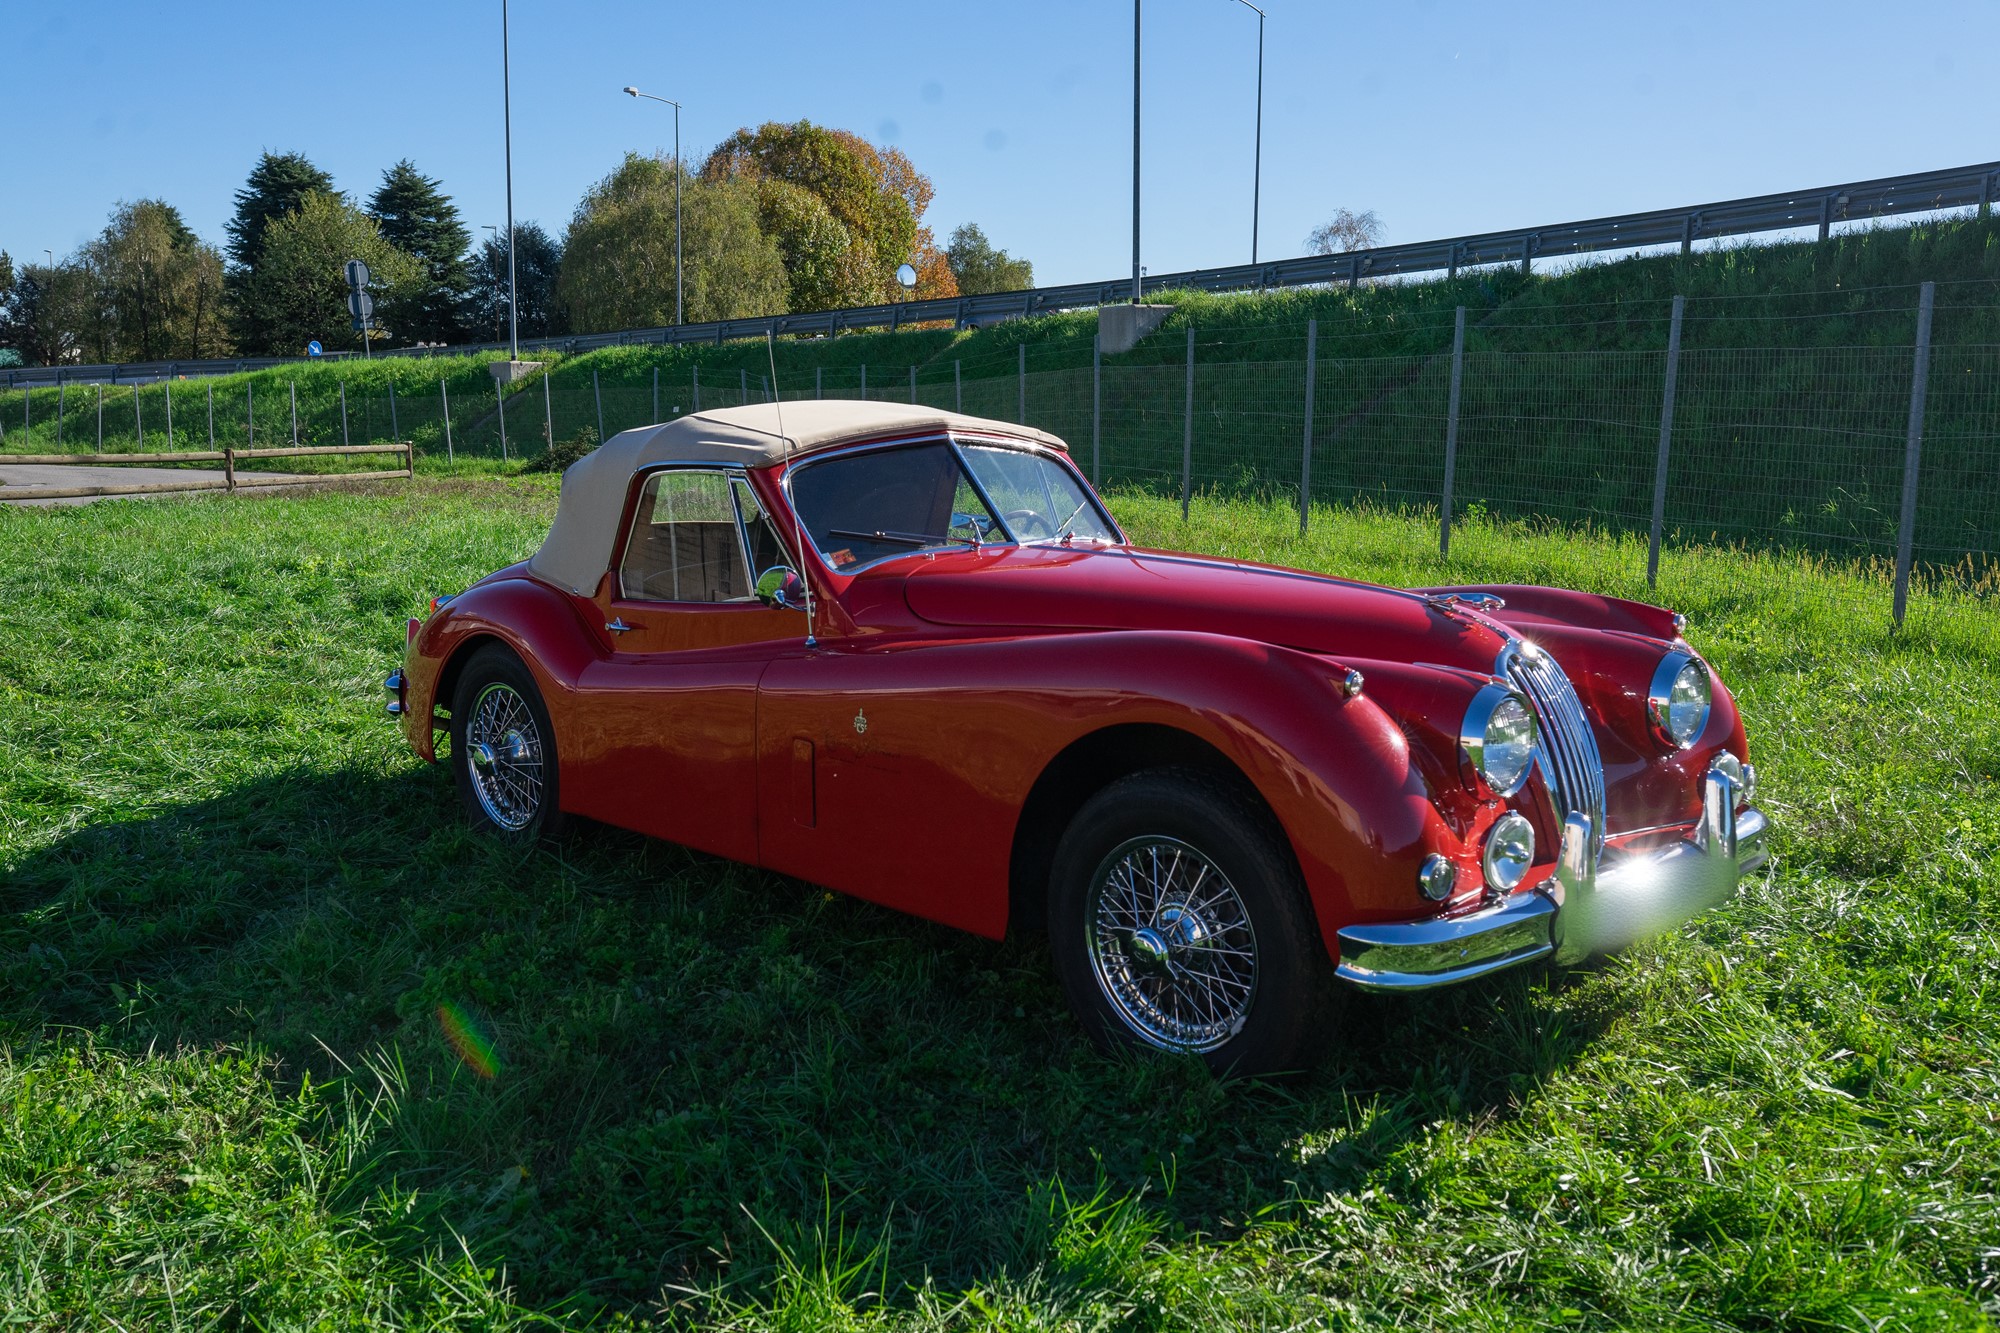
pixel 1171 944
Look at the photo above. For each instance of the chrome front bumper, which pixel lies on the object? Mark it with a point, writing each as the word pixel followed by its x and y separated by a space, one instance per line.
pixel 1581 910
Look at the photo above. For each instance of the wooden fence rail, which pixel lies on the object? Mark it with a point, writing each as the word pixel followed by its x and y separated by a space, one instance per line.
pixel 230 481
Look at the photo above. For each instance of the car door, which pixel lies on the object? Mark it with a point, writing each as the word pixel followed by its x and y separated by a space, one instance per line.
pixel 671 710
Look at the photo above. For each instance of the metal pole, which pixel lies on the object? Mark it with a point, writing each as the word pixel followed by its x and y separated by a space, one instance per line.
pixel 913 384
pixel 1135 151
pixel 1187 432
pixel 211 414
pixel 1096 406
pixel 395 431
pixel 816 382
pixel 343 412
pixel 100 418
pixel 1021 385
pixel 1306 453
pixel 864 379
pixel 168 387
pixel 507 122
pixel 445 394
pixel 294 386
pixel 500 402
pixel 1451 432
pixel 548 412
pixel 1914 448
pixel 656 394
pixel 677 219
pixel 597 392
pixel 743 385
pixel 1666 441
pixel 696 372
pixel 1257 167
pixel 249 416
pixel 138 417
pixel 62 396
pixel 957 386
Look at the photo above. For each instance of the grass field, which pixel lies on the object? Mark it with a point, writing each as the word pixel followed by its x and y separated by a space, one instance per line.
pixel 281 1046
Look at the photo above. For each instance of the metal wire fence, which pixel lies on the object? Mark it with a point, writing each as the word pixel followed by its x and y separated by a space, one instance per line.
pixel 1859 429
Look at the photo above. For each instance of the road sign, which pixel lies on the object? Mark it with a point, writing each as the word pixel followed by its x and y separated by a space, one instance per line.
pixel 360 305
pixel 357 274
pixel 313 348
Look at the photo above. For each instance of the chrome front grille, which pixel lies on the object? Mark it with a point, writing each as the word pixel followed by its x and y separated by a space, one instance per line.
pixel 1568 760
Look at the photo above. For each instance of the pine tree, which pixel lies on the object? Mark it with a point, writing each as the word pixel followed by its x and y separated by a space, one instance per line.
pixel 277 185
pixel 420 219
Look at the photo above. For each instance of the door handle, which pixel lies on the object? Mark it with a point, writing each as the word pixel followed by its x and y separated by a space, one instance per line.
pixel 617 625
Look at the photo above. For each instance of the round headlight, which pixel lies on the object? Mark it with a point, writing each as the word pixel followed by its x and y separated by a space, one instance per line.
pixel 1498 738
pixel 1677 700
pixel 1510 850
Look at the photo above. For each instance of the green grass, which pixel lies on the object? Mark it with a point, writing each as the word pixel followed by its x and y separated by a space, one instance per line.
pixel 231 905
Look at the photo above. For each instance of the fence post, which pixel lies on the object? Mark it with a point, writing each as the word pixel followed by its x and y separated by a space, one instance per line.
pixel 1451 432
pixel 817 372
pixel 249 415
pixel 1021 380
pixel 1306 453
pixel 445 394
pixel 656 395
pixel 548 412
pixel 743 384
pixel 1914 447
pixel 913 384
pixel 696 372
pixel 211 415
pixel 138 417
pixel 864 380
pixel 1096 406
pixel 764 386
pixel 957 386
pixel 500 403
pixel 100 418
pixel 597 392
pixel 294 386
pixel 1187 431
pixel 395 431
pixel 344 441
pixel 1666 441
pixel 62 396
pixel 168 386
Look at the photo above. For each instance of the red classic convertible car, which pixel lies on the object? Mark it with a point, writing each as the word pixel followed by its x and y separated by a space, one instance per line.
pixel 909 655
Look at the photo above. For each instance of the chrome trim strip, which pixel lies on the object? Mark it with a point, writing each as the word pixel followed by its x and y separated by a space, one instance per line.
pixel 1569 758
pixel 1447 950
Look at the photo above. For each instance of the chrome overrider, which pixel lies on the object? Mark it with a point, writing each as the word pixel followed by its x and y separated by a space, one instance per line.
pixel 1583 909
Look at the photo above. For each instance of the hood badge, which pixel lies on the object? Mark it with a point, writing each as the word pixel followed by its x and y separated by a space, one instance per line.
pixel 1484 602
pixel 860 723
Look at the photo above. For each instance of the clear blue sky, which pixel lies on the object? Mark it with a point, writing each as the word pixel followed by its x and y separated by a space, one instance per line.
pixel 1445 118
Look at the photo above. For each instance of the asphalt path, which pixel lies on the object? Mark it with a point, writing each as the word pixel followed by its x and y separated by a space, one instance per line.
pixel 18 481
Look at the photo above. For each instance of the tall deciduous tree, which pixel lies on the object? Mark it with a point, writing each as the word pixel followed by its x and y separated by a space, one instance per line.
pixel 298 287
pixel 418 218
pixel 537 262
pixel 875 194
pixel 618 254
pixel 49 303
pixel 979 268
pixel 278 184
pixel 157 288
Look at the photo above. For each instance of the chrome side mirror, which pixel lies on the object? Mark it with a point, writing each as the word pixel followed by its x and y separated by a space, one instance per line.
pixel 780 587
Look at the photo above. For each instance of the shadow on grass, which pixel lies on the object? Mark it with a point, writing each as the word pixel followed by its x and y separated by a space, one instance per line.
pixel 654 1068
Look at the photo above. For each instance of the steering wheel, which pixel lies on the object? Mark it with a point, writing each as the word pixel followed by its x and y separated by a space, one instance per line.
pixel 1018 519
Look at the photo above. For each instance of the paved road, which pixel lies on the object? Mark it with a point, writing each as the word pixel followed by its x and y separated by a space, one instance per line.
pixel 19 480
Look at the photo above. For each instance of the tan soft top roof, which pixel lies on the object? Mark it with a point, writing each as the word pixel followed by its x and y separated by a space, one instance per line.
pixel 577 550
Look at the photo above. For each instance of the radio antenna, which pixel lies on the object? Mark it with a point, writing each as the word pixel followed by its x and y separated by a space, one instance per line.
pixel 798 524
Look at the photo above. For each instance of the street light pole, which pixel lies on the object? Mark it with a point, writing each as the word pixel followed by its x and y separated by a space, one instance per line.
pixel 634 92
pixel 1136 288
pixel 507 122
pixel 1257 170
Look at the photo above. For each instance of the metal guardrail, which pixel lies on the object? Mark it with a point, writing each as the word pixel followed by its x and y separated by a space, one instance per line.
pixel 1889 196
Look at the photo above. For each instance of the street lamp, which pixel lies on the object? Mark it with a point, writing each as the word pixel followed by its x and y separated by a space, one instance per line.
pixel 1257 171
pixel 634 92
pixel 507 122
pixel 1136 285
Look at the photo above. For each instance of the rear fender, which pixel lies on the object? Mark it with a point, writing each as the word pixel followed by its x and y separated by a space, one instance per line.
pixel 541 626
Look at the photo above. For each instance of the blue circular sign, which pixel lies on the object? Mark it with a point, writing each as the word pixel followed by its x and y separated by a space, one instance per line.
pixel 313 348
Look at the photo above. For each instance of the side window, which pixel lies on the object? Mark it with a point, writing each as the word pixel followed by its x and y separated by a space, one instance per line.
pixel 685 545
pixel 766 550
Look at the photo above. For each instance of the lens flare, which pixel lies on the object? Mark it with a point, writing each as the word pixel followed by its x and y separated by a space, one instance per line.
pixel 473 1046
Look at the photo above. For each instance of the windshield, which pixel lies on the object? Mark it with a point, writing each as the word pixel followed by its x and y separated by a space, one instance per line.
pixel 863 507
pixel 1040 500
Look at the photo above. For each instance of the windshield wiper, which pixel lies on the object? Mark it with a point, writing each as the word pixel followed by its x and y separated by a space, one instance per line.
pixel 904 538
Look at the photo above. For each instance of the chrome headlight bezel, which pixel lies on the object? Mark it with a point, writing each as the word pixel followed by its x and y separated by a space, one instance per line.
pixel 1502 765
pixel 1675 668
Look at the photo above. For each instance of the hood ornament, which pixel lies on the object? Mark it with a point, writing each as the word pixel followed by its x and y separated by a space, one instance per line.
pixel 1484 602
pixel 860 722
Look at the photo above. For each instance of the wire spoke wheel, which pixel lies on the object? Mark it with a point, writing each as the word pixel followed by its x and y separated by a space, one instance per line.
pixel 1171 944
pixel 503 756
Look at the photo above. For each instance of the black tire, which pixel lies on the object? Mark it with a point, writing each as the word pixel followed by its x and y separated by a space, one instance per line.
pixel 513 790
pixel 1122 982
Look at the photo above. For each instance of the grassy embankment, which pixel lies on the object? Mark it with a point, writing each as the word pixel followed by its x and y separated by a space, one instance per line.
pixel 232 908
pixel 1793 400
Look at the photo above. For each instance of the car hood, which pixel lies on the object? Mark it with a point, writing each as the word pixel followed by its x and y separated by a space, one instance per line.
pixel 1123 588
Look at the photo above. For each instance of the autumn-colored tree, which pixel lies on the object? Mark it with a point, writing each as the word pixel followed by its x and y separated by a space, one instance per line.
pixel 157 287
pixel 876 196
